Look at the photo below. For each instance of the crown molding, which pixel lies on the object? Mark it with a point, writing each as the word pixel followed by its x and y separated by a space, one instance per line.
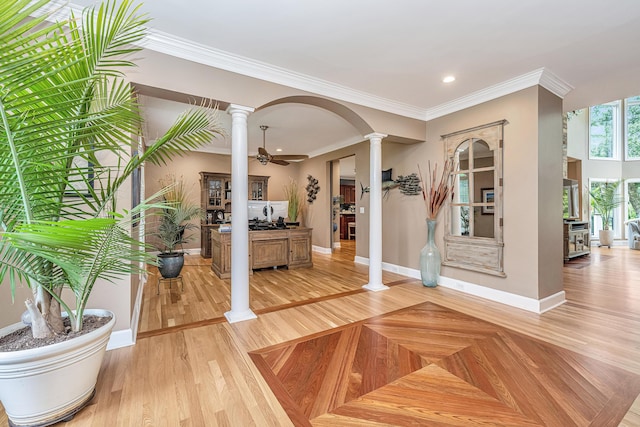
pixel 541 76
pixel 178 47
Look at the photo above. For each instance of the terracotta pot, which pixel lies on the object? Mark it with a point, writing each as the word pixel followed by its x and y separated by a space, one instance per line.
pixel 43 386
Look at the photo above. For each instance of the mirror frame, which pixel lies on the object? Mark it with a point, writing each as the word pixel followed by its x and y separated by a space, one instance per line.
pixel 481 254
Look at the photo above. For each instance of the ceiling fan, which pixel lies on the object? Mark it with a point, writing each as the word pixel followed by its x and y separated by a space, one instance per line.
pixel 264 157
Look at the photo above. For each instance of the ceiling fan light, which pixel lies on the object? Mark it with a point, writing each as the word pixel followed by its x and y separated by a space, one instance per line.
pixel 262 159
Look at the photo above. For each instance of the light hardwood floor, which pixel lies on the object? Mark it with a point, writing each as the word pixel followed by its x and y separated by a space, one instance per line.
pixel 203 374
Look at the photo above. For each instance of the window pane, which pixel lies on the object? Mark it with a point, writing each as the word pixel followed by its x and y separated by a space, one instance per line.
pixel 633 129
pixel 633 189
pixel 482 223
pixel 460 220
pixel 482 155
pixel 482 181
pixel 601 128
pixel 461 191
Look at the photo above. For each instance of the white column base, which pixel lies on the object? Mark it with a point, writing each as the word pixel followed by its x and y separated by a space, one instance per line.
pixel 234 317
pixel 375 287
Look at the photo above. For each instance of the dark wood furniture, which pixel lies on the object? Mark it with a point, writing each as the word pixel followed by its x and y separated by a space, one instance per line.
pixel 348 192
pixel 267 248
pixel 345 219
pixel 215 201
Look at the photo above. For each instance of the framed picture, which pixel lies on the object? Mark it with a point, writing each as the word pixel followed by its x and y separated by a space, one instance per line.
pixel 488 197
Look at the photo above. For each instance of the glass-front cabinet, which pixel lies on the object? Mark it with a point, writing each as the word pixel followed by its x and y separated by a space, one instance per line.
pixel 215 201
pixel 473 234
pixel 257 188
pixel 214 193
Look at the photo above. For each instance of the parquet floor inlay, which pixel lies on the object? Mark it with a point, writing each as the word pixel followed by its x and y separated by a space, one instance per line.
pixel 429 365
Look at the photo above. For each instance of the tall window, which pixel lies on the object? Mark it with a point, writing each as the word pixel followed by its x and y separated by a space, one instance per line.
pixel 632 128
pixel 632 188
pixel 601 187
pixel 603 131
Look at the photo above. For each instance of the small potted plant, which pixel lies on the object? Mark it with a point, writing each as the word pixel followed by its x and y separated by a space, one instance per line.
pixel 604 200
pixel 173 226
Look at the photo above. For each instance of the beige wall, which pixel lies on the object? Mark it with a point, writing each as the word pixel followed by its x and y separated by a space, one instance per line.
pixel 532 147
pixel 189 166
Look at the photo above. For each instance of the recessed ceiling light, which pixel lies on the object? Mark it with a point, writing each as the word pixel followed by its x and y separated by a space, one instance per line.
pixel 279 150
pixel 448 79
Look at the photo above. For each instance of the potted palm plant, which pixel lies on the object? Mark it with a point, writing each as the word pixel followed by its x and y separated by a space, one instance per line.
pixel 67 121
pixel 173 225
pixel 604 200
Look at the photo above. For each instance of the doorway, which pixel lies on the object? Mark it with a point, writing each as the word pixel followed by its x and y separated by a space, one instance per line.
pixel 348 226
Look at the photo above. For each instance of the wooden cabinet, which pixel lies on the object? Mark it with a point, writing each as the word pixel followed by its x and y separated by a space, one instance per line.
pixel 349 193
pixel 205 238
pixel 345 219
pixel 268 248
pixel 215 201
pixel 576 239
pixel 300 248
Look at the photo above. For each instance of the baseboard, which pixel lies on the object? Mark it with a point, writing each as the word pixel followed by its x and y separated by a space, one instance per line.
pixel 121 338
pixel 513 300
pixel 321 250
pixel 127 337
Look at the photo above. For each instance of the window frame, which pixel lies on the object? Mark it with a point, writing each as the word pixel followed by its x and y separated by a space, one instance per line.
pixel 627 102
pixel 481 254
pixel 617 212
pixel 616 123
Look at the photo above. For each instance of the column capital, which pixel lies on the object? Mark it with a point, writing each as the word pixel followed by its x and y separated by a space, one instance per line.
pixel 376 136
pixel 236 108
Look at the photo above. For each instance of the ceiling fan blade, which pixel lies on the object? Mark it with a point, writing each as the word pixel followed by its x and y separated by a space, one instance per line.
pixel 279 162
pixel 262 151
pixel 291 157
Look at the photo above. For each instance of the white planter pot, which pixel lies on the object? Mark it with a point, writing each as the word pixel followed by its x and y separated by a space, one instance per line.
pixel 606 237
pixel 42 386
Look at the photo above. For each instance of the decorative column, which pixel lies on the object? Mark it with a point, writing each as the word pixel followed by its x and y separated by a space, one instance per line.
pixel 375 213
pixel 239 219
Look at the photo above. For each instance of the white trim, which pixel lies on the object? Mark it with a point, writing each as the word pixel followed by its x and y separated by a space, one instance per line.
pixel 121 338
pixel 513 300
pixel 363 260
pixel 162 42
pixel 127 337
pixel 321 250
pixel 233 317
pixel 337 245
pixel 541 76
pixel 178 47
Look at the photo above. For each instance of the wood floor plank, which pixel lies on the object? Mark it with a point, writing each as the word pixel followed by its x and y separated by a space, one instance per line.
pixel 600 321
pixel 545 384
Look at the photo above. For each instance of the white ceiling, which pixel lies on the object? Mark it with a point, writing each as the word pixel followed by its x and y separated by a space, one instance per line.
pixel 392 55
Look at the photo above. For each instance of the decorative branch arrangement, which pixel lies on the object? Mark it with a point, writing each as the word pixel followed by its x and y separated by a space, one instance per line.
pixel 437 192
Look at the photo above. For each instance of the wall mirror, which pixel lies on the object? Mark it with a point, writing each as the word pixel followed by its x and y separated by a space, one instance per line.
pixel 473 233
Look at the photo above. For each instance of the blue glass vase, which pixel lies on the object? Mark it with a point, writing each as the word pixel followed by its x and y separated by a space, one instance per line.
pixel 430 258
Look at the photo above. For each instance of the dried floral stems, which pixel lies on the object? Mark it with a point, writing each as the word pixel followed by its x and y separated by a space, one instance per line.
pixel 436 193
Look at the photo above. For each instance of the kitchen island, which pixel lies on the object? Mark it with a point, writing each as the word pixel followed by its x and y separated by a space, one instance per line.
pixel 290 247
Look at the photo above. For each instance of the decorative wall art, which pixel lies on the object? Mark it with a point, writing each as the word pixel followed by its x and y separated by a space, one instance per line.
pixel 312 188
pixel 487 197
